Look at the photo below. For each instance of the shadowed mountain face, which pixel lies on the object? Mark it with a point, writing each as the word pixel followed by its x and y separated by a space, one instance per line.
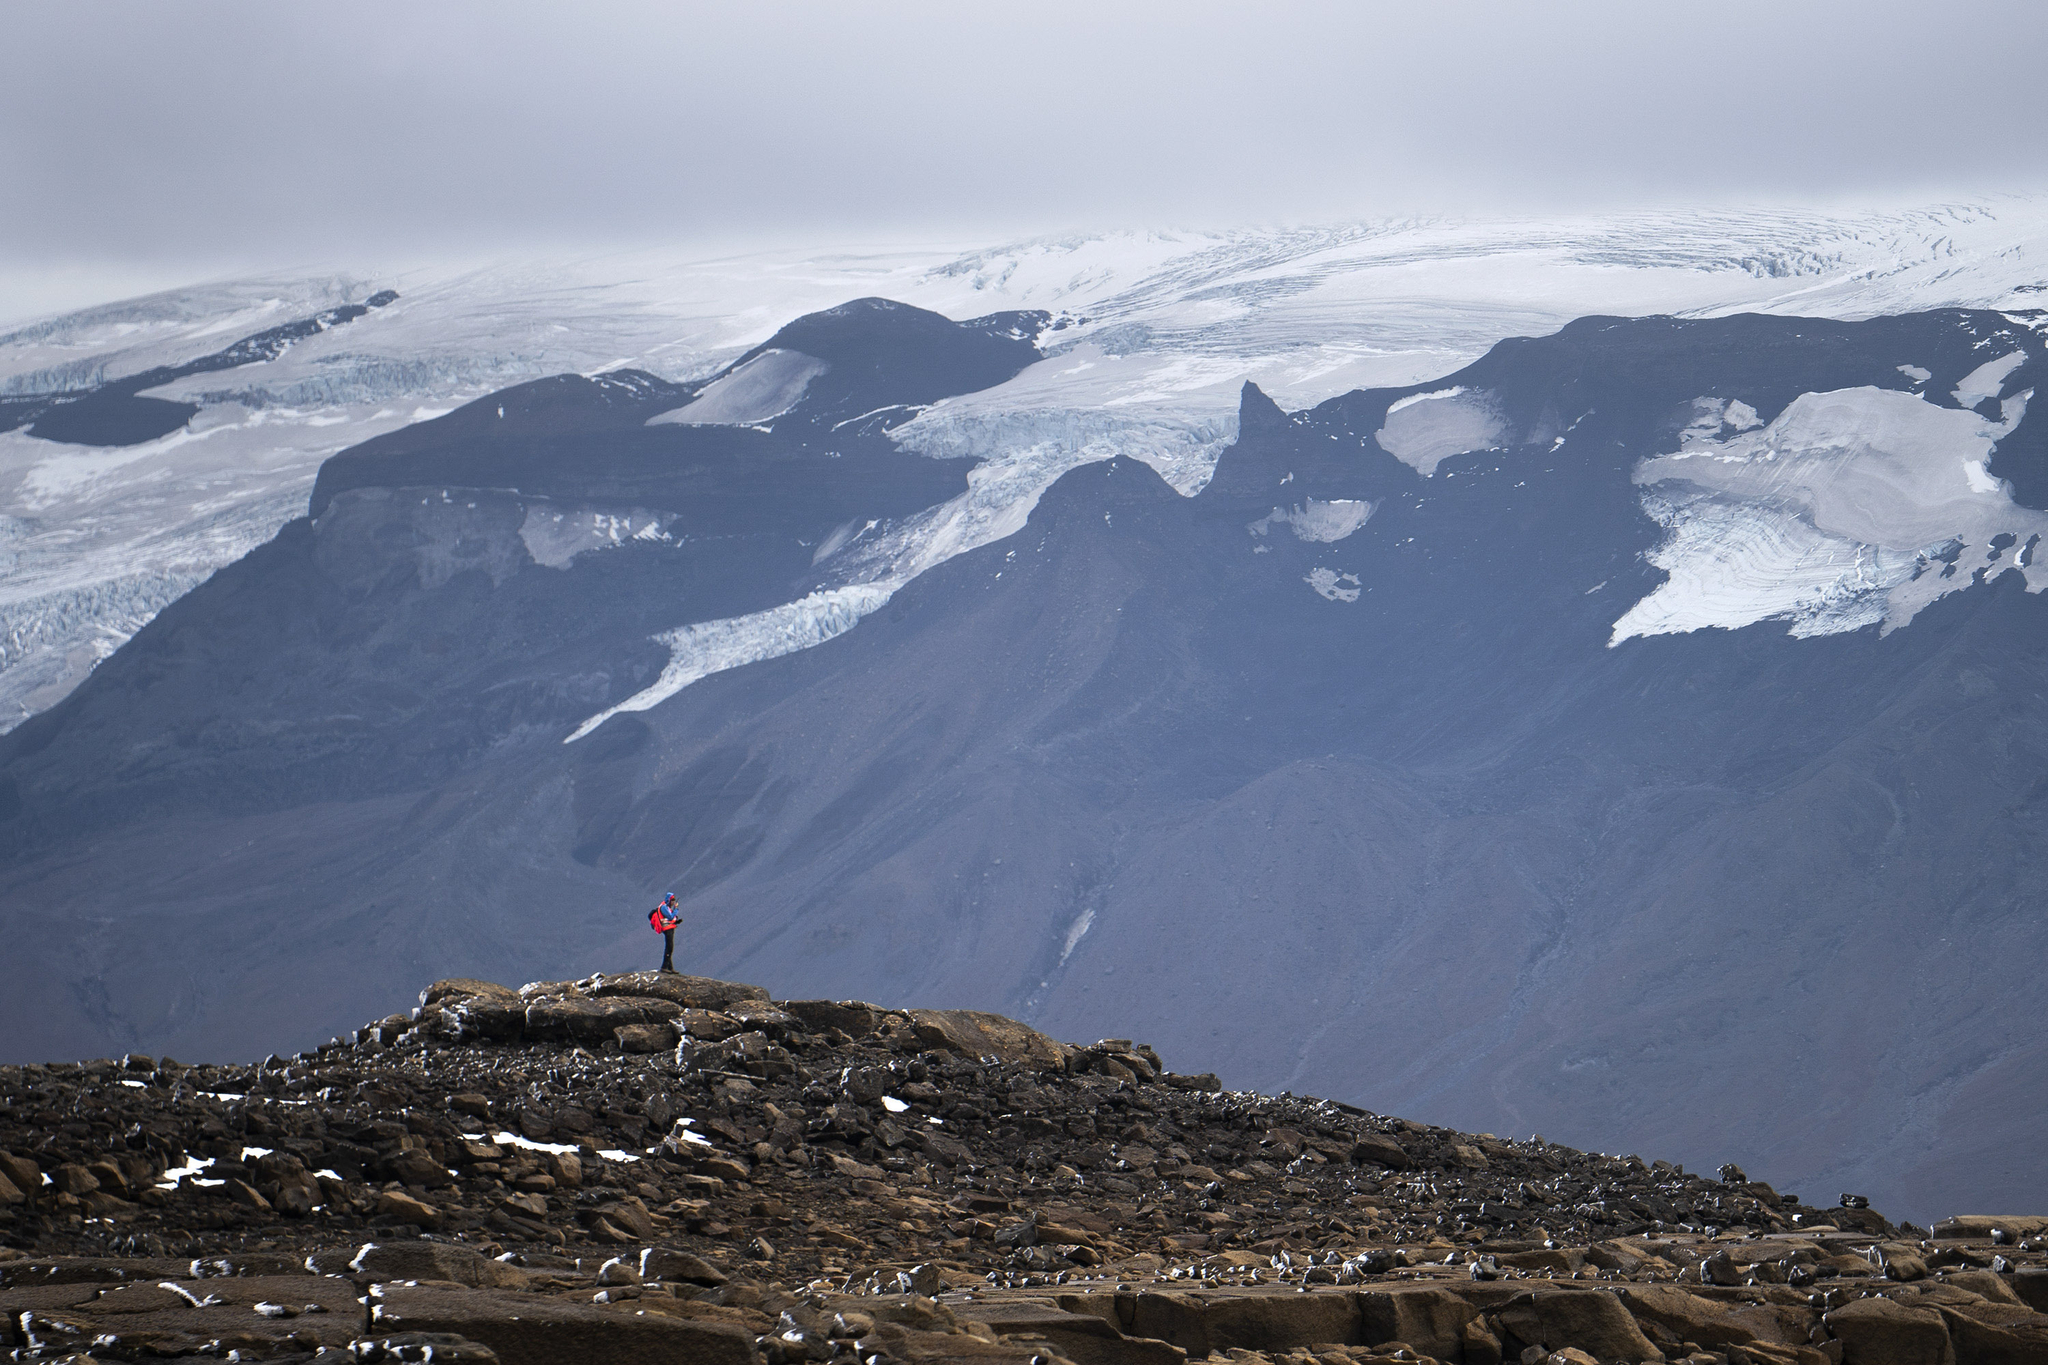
pixel 1441 754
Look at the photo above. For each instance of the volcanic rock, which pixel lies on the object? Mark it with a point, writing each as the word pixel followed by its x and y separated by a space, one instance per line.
pixel 823 1180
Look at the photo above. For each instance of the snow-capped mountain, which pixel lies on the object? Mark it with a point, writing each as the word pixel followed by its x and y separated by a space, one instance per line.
pixel 1160 329
pixel 1633 729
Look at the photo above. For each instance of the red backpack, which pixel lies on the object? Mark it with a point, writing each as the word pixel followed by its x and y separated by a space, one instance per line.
pixel 659 919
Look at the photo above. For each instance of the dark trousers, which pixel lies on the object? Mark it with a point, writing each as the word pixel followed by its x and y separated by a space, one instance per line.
pixel 668 950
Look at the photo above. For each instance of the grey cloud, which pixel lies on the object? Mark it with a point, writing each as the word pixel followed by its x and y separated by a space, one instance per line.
pixel 212 136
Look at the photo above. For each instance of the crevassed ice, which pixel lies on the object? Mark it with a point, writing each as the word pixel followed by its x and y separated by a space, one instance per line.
pixel 697 651
pixel 1855 507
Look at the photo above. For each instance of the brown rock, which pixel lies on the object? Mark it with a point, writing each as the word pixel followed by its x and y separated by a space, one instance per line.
pixel 2031 1288
pixel 25 1174
pixel 582 1019
pixel 1877 1331
pixel 692 992
pixel 1997 1334
pixel 1593 1321
pixel 1692 1317
pixel 666 1263
pixel 412 1166
pixel 75 1180
pixel 1986 1284
pixel 10 1193
pixel 640 1038
pixel 708 1026
pixel 1983 1224
pixel 528 1329
pixel 1376 1149
pixel 464 988
pixel 1278 1322
pixel 407 1259
pixel 971 1033
pixel 1084 1338
pixel 1428 1320
pixel 402 1205
pixel 851 1017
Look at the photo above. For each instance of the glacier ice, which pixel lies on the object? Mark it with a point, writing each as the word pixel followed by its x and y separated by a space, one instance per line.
pixel 1854 507
pixel 1161 329
pixel 697 651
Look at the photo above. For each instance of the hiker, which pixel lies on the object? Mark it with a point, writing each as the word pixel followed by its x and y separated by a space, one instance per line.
pixel 663 919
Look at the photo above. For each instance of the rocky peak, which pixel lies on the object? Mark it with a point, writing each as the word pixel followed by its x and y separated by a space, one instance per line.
pixel 655 1162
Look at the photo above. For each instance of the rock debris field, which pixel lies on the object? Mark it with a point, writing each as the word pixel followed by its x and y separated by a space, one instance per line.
pixel 653 1167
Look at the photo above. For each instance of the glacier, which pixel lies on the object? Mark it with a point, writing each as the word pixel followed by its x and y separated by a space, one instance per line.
pixel 1853 508
pixel 1155 332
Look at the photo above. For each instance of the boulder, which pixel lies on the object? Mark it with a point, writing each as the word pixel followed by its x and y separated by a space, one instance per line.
pixel 1693 1317
pixel 399 1204
pixel 25 1174
pixel 464 988
pixel 1878 1331
pixel 1084 1338
pixel 1429 1321
pixel 412 1166
pixel 582 1019
pixel 485 1017
pixel 1984 1224
pixel 691 992
pixel 408 1259
pixel 1996 1334
pixel 2031 1288
pixel 972 1033
pixel 641 1038
pixel 1594 1321
pixel 680 1267
pixel 528 1329
pixel 852 1017
pixel 1278 1322
pixel 1374 1149
pixel 709 1026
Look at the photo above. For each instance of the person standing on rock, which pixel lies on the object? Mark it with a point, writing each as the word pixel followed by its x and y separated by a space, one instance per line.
pixel 663 919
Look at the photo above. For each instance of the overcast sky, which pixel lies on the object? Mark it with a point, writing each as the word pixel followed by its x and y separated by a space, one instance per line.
pixel 143 143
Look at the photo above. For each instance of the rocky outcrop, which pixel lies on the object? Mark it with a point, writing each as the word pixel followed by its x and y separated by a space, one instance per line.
pixel 523 1175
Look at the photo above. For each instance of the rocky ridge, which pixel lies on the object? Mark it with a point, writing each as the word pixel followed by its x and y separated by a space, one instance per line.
pixel 657 1166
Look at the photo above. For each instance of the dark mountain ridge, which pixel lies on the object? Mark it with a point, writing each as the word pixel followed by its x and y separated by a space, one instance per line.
pixel 1380 813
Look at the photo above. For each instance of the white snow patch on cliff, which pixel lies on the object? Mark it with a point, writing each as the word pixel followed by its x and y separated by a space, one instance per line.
pixel 765 387
pixel 1987 380
pixel 1424 430
pixel 1338 587
pixel 1322 523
